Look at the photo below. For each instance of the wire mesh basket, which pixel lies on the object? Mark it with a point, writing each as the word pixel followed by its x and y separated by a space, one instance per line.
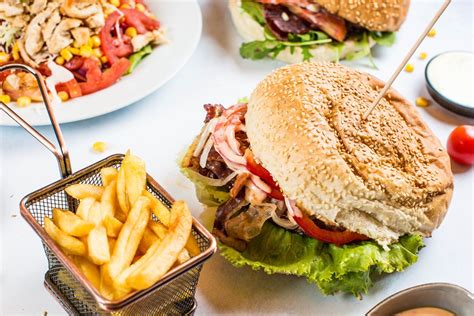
pixel 173 294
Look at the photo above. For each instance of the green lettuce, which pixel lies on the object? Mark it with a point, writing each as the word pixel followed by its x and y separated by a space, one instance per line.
pixel 349 268
pixel 206 194
pixel 255 10
pixel 383 38
pixel 137 58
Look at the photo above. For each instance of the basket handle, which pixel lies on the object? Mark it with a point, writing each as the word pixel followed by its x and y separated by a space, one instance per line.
pixel 61 154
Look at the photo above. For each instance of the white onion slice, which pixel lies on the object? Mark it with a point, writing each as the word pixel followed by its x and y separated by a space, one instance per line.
pixel 253 194
pixel 205 153
pixel 202 141
pixel 260 184
pixel 285 223
pixel 293 210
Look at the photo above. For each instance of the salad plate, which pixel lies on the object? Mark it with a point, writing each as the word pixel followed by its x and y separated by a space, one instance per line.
pixel 153 72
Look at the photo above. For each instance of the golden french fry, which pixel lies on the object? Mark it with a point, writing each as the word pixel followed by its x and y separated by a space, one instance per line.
pixel 105 288
pixel 121 216
pixel 108 175
pixel 81 191
pixel 131 181
pixel 98 246
pixel 159 209
pixel 111 244
pixel 108 200
pixel 69 244
pixel 83 208
pixel 70 223
pixel 128 240
pixel 149 238
pixel 158 228
pixel 161 256
pixel 90 270
pixel 182 257
pixel 112 226
pixel 95 214
pixel 192 246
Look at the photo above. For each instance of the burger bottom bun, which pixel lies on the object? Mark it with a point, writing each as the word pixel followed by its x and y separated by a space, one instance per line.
pixel 250 31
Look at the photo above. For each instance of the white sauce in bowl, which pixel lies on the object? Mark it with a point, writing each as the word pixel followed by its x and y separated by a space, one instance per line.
pixel 452 75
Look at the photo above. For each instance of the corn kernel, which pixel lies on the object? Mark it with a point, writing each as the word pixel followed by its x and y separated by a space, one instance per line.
pixel 23 101
pixel 4 57
pixel 74 51
pixel 125 6
pixel 16 52
pixel 63 95
pixel 5 98
pixel 131 31
pixel 140 7
pixel 75 44
pixel 86 51
pixel 60 60
pixel 409 68
pixel 423 55
pixel 97 52
pixel 432 33
pixel 104 59
pixel 66 54
pixel 94 41
pixel 115 2
pixel 422 102
pixel 99 147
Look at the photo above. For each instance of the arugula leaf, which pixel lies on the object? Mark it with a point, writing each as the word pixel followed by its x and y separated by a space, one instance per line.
pixel 260 49
pixel 137 58
pixel 348 268
pixel 383 38
pixel 255 10
pixel 306 53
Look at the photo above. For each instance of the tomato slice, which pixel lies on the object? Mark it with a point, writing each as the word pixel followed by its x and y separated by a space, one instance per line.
pixel 333 237
pixel 140 21
pixel 113 47
pixel 96 80
pixel 71 87
pixel 258 170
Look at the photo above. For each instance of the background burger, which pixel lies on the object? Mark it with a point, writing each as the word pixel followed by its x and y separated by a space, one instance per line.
pixel 316 30
pixel 303 186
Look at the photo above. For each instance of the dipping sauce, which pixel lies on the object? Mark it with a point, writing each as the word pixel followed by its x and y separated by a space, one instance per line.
pixel 426 311
pixel 451 74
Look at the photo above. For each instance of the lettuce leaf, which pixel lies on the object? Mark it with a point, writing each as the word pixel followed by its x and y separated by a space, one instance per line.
pixel 383 38
pixel 349 268
pixel 206 194
pixel 255 10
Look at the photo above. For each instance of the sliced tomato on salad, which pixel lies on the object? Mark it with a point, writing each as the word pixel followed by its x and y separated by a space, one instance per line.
pixel 140 21
pixel 71 87
pixel 258 170
pixel 114 43
pixel 338 238
pixel 97 80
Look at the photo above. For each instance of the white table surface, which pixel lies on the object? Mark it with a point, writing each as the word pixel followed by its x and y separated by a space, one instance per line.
pixel 159 128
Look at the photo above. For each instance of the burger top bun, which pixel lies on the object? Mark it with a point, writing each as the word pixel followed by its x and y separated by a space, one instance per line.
pixel 374 15
pixel 383 177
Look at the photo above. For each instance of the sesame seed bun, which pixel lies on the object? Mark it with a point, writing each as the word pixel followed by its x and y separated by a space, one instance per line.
pixel 250 31
pixel 374 15
pixel 385 177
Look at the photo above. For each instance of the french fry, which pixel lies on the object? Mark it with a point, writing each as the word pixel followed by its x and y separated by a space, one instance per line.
pixel 158 228
pixel 112 242
pixel 108 175
pixel 149 238
pixel 128 239
pixel 70 223
pixel 83 208
pixel 159 209
pixel 81 191
pixel 98 246
pixel 112 225
pixel 192 246
pixel 131 181
pixel 161 256
pixel 90 270
pixel 69 244
pixel 182 257
pixel 105 288
pixel 95 214
pixel 108 200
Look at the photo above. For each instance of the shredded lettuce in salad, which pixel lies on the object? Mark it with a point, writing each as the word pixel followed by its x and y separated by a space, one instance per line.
pixel 271 47
pixel 7 36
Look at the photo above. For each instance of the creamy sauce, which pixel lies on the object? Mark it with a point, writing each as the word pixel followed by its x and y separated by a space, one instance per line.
pixel 452 75
pixel 59 74
pixel 425 311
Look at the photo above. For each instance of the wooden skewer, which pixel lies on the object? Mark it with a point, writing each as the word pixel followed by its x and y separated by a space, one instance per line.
pixel 406 59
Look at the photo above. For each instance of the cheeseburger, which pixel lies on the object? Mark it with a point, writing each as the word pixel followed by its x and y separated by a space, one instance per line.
pixel 303 185
pixel 316 30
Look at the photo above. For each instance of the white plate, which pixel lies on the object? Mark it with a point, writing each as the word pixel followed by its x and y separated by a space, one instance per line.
pixel 183 23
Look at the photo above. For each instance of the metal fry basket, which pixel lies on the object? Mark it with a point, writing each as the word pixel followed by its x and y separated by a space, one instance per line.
pixel 172 295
